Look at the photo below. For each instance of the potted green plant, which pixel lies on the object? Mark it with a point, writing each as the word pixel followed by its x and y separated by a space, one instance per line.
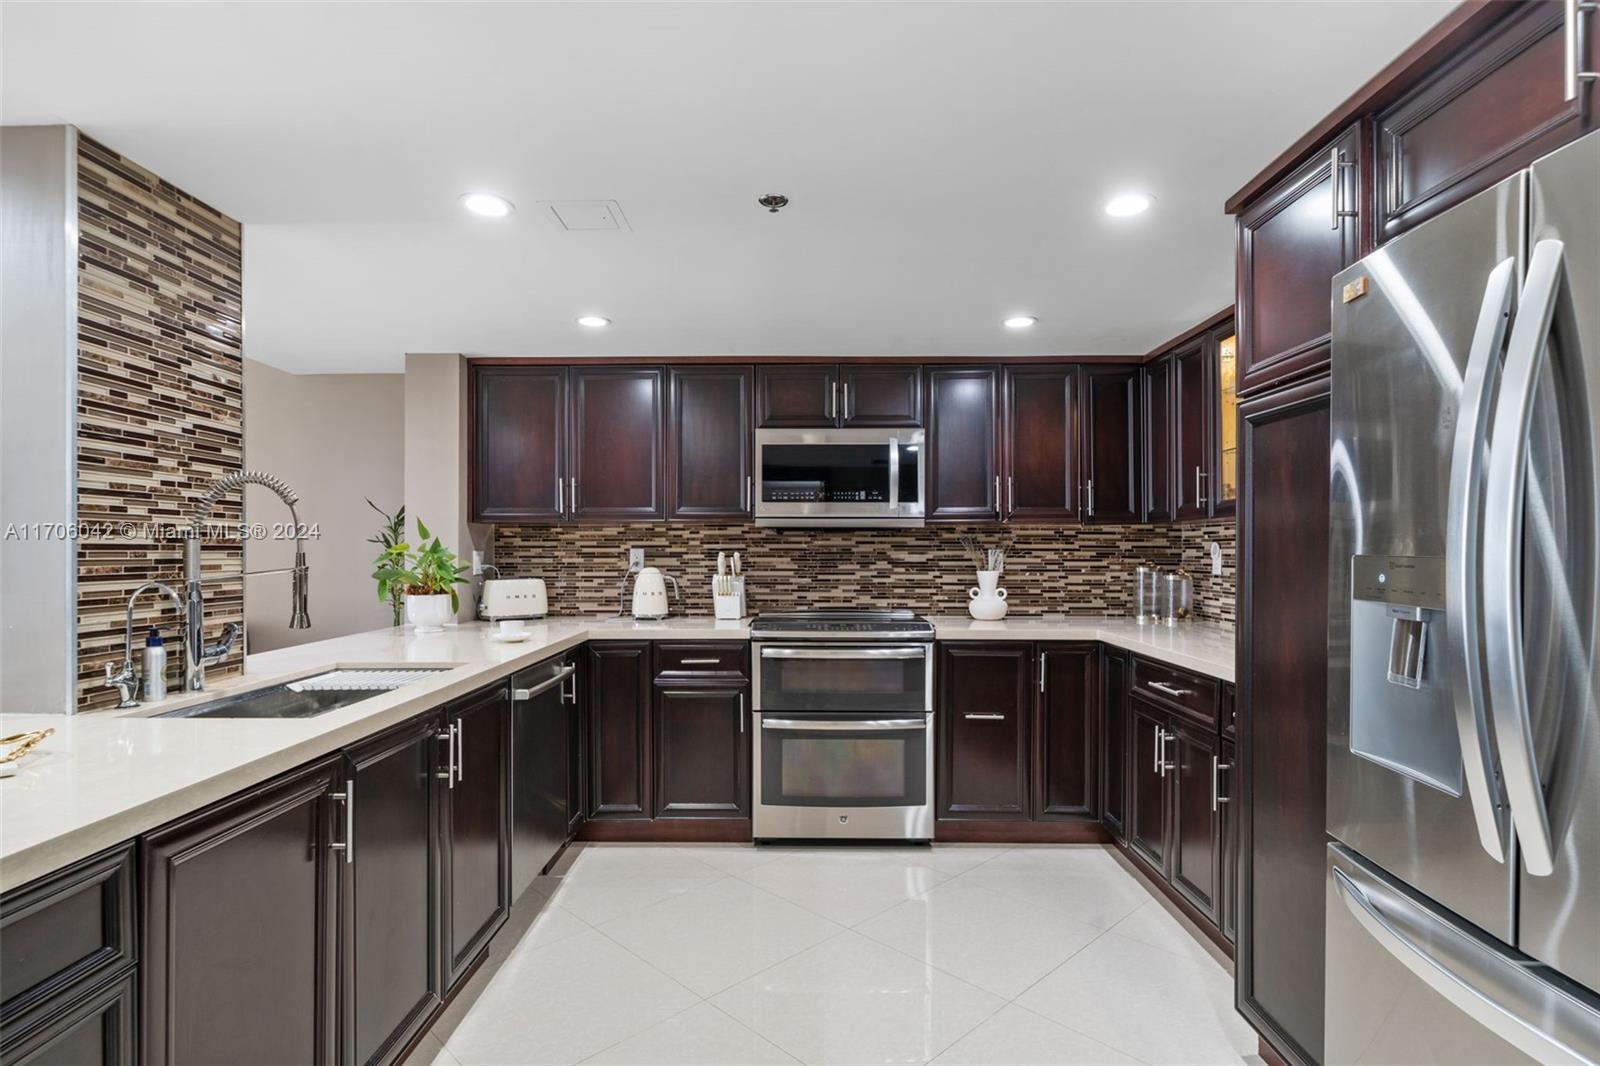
pixel 390 540
pixel 427 576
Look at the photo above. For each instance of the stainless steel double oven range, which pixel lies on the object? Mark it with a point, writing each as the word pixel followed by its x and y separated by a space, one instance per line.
pixel 844 726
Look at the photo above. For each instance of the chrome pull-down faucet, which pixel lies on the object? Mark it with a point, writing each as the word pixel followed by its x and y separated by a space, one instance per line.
pixel 197 654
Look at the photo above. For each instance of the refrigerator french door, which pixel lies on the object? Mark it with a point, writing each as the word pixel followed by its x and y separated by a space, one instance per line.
pixel 1463 909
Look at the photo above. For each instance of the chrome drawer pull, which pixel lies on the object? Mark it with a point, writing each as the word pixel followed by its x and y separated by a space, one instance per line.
pixel 984 717
pixel 1162 686
pixel 699 662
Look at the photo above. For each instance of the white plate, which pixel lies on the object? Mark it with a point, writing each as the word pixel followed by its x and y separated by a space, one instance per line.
pixel 510 638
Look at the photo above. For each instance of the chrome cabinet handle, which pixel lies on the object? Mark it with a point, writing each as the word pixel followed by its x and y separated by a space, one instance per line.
pixel 1011 495
pixel 572 494
pixel 1156 749
pixel 1162 686
pixel 975 717
pixel 1336 168
pixel 561 502
pixel 571 696
pixel 747 492
pixel 741 712
pixel 1569 26
pixel 700 662
pixel 1199 493
pixel 348 798
pixel 997 497
pixel 1162 750
pixel 1042 657
pixel 1091 497
pixel 449 772
pixel 1218 766
pixel 543 686
pixel 461 747
pixel 846 401
pixel 833 404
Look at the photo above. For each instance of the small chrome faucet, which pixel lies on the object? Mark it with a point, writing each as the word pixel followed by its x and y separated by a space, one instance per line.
pixel 127 680
pixel 197 654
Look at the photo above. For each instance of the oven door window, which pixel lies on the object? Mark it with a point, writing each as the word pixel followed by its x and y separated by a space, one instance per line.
pixel 825 473
pixel 844 761
pixel 877 679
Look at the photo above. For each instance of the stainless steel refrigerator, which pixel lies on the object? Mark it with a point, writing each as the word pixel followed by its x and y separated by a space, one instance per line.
pixel 1463 888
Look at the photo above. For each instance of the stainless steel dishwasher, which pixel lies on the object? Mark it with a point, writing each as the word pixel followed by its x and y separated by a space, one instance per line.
pixel 539 763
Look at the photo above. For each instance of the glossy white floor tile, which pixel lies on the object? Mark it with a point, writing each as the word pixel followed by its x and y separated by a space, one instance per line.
pixel 724 954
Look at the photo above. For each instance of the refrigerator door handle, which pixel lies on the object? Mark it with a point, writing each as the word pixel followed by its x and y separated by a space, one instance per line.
pixel 1500 991
pixel 1463 548
pixel 1546 304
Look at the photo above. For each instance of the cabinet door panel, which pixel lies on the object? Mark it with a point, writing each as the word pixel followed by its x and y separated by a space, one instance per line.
pixel 238 927
pixel 1067 732
pixel 1111 444
pixel 390 895
pixel 880 395
pixel 477 828
pixel 1147 783
pixel 702 749
pixel 1196 827
pixel 963 471
pixel 577 744
pixel 710 454
pixel 615 468
pixel 1116 667
pixel 1289 251
pixel 1159 458
pixel 984 703
pixel 797 397
pixel 1228 891
pixel 1191 425
pixel 96 1029
pixel 519 433
pixel 1223 485
pixel 619 729
pixel 1041 444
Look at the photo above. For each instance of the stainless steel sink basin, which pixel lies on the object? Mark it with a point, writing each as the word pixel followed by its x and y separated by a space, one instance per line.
pixel 305 698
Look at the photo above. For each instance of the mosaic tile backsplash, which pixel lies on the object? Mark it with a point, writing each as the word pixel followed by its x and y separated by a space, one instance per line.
pixel 160 404
pixel 1071 569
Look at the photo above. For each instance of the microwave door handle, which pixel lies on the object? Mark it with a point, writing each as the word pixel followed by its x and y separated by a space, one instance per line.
pixel 894 473
pixel 1546 305
pixel 1463 549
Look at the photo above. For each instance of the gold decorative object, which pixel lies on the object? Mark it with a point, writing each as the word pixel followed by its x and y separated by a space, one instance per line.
pixel 25 742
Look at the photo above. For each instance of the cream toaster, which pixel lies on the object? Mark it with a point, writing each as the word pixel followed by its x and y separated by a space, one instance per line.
pixel 514 597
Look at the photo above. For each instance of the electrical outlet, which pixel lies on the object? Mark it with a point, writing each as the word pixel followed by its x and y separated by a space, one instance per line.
pixel 1216 557
pixel 635 557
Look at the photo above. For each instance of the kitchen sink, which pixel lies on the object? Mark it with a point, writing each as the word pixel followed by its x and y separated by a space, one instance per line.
pixel 307 697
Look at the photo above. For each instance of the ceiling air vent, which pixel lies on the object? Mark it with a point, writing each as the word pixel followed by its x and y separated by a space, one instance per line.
pixel 586 214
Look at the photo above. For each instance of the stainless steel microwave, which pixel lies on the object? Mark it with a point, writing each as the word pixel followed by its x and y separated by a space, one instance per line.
pixel 840 477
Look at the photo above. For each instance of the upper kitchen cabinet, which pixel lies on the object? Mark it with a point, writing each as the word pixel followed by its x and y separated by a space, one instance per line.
pixel 615 468
pixel 1191 426
pixel 1111 401
pixel 1494 109
pixel 709 471
pixel 1292 240
pixel 963 442
pixel 1224 480
pixel 1159 463
pixel 518 463
pixel 1041 444
pixel 851 394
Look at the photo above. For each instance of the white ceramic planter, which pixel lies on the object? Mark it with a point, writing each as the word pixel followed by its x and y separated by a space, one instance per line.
pixel 986 601
pixel 429 614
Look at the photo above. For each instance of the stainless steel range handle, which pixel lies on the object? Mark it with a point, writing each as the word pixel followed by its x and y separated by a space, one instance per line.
pixel 1546 305
pixel 1463 548
pixel 1575 77
pixel 977 717
pixel 871 724
pixel 787 652
pixel 560 676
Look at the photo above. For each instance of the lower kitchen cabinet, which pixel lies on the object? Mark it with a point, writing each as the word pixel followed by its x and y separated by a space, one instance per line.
pixel 94 1029
pixel 1148 809
pixel 391 979
pixel 577 743
pixel 1229 848
pixel 475 811
pixel 1196 834
pixel 1066 731
pixel 1115 670
pixel 985 701
pixel 239 926
pixel 619 729
pixel 702 750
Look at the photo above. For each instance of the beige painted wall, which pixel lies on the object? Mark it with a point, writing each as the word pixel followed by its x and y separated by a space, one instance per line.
pixel 337 439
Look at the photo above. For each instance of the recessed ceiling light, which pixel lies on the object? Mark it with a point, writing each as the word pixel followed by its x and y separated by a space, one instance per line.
pixel 593 321
pixel 487 204
pixel 1020 321
pixel 1128 204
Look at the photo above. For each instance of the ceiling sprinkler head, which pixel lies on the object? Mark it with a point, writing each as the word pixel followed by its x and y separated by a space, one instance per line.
pixel 773 201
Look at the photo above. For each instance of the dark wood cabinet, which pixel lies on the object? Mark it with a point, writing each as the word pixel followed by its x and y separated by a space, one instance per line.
pixel 1291 241
pixel 1281 712
pixel 702 749
pixel 709 452
pixel 1229 849
pixel 1191 429
pixel 1160 463
pixel 238 919
pixel 1116 668
pixel 1041 444
pixel 1111 437
pixel 1196 827
pixel 614 471
pixel 389 900
pixel 475 812
pixel 985 700
pixel 1148 808
pixel 518 462
pixel 1066 732
pixel 1495 108
pixel 797 397
pixel 619 729
pixel 92 1028
pixel 880 394
pixel 963 444
pixel 577 744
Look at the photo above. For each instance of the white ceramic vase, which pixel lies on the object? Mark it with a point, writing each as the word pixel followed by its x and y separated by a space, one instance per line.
pixel 986 601
pixel 429 614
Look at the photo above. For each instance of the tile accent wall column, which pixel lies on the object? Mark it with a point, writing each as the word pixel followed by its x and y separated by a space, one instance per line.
pixel 160 404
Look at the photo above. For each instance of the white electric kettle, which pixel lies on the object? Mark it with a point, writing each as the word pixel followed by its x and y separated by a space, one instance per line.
pixel 650 593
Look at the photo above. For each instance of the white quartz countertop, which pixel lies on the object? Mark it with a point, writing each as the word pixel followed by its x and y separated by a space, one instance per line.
pixel 1203 647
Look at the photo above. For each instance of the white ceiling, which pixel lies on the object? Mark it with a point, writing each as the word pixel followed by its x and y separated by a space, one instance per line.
pixel 946 162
